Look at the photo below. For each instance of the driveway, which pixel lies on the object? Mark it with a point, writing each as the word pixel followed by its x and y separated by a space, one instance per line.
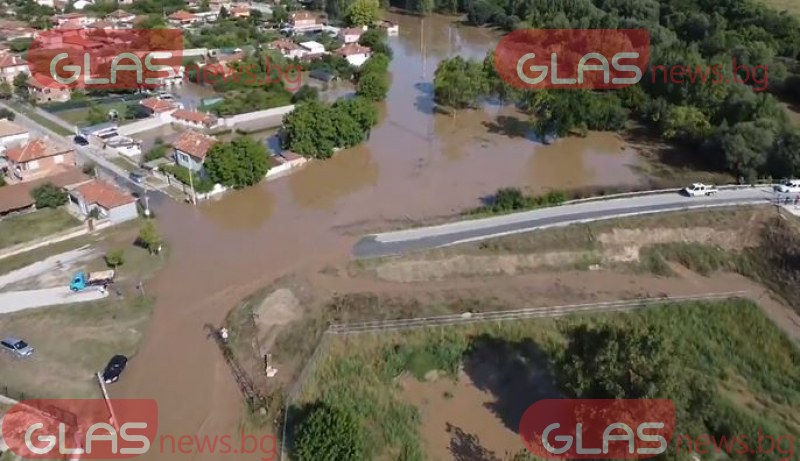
pixel 399 242
pixel 20 300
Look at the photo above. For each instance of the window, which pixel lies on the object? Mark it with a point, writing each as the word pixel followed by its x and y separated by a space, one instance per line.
pixel 59 159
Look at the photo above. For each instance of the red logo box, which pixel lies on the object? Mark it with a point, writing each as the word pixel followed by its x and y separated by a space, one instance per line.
pixel 598 429
pixel 105 58
pixel 84 428
pixel 573 58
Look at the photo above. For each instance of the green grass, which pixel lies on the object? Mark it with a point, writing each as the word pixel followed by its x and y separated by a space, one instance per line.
pixel 731 342
pixel 791 6
pixel 31 114
pixel 703 259
pixel 74 341
pixel 79 116
pixel 123 163
pixel 31 226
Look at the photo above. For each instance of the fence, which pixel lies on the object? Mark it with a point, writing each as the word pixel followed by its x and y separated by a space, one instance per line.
pixel 469 318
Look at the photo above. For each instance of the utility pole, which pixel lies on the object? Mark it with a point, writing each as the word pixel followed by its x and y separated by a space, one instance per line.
pixel 146 201
pixel 191 185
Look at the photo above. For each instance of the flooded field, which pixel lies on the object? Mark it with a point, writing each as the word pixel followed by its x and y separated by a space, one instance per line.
pixel 417 164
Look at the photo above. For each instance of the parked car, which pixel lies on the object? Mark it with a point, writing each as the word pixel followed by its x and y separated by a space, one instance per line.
pixel 80 140
pixel 138 176
pixel 699 190
pixel 114 368
pixel 790 186
pixel 16 347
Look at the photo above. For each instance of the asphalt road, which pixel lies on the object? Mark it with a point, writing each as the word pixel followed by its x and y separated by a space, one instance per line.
pixel 404 241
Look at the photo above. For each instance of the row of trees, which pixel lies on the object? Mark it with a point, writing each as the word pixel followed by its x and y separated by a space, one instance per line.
pixel 317 129
pixel 733 125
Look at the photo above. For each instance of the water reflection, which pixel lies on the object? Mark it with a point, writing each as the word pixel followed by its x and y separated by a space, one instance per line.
pixel 321 184
pixel 243 210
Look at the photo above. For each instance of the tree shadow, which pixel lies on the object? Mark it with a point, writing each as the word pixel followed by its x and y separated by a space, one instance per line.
pixel 467 447
pixel 513 127
pixel 295 415
pixel 518 374
pixel 424 100
pixel 648 141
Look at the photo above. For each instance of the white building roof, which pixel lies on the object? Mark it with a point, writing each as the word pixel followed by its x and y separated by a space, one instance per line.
pixel 312 45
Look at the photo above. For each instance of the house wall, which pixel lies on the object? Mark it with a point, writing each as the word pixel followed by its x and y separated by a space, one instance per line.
pixel 187 161
pixel 357 59
pixel 123 213
pixel 257 115
pixel 14 139
pixel 145 124
pixel 36 169
pixel 51 95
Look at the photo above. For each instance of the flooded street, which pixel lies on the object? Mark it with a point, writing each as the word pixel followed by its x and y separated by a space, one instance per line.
pixel 417 164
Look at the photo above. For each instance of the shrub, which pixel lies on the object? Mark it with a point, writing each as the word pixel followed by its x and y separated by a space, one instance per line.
pixel 201 184
pixel 329 433
pixel 149 238
pixel 49 195
pixel 115 258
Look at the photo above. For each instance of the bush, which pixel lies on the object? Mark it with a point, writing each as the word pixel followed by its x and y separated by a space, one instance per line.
pixel 9 114
pixel 89 169
pixel 115 258
pixel 149 238
pixel 49 196
pixel 329 433
pixel 201 184
pixel 158 151
pixel 511 199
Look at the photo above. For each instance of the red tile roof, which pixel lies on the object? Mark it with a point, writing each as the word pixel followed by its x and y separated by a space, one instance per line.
pixel 36 149
pixel 11 60
pixel 194 143
pixel 119 15
pixel 157 105
pixel 353 31
pixel 104 194
pixel 18 196
pixel 193 116
pixel 182 15
pixel 352 49
pixel 42 82
pixel 284 45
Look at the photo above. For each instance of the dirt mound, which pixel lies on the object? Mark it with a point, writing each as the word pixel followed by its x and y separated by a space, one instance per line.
pixel 277 309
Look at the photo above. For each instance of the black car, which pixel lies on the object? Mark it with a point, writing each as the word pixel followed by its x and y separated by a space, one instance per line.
pixel 114 368
pixel 138 176
pixel 80 140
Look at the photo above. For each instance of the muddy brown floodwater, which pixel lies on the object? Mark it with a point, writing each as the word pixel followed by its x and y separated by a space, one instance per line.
pixel 417 164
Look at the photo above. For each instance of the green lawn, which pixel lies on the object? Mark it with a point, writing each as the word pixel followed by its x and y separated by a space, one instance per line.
pixel 74 341
pixel 730 346
pixel 78 116
pixel 31 226
pixel 792 6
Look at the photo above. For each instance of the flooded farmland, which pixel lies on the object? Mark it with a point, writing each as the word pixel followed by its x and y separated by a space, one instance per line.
pixel 417 164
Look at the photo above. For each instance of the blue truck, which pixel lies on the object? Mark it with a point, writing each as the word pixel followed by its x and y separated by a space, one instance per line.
pixel 83 280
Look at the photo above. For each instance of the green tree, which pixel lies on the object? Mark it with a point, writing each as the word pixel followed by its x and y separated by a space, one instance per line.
pixel 238 163
pixel 611 362
pixel 223 13
pixel 373 86
pixel 686 123
pixel 309 130
pixel 158 151
pixel 96 114
pixel 21 85
pixel 305 93
pixel 149 237
pixel 49 195
pixel 115 258
pixel 458 83
pixel 361 110
pixel 363 12
pixel 372 37
pixel 329 433
pixel 279 14
pixel 6 90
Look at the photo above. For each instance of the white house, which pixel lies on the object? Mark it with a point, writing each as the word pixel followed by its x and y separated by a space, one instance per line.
pixel 11 66
pixel 288 49
pixel 110 201
pixel 351 35
pixel 121 16
pixel 191 149
pixel 12 134
pixel 355 54
pixel 313 48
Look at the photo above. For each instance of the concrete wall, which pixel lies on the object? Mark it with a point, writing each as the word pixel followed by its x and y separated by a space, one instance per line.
pixel 144 125
pixel 276 113
pixel 123 213
pixel 14 139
